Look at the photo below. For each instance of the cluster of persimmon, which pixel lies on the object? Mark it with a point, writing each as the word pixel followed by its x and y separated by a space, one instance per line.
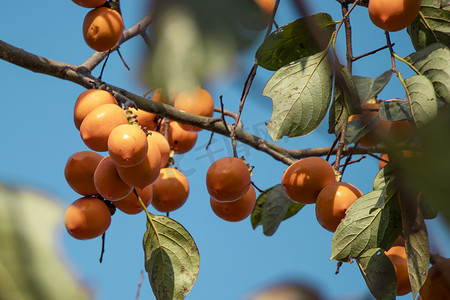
pixel 137 164
pixel 393 15
pixel 102 26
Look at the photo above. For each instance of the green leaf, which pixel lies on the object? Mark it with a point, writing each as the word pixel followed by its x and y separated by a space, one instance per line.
pixel 365 227
pixel 356 129
pixel 301 94
pixel 293 41
pixel 271 208
pixel 423 99
pixel 382 178
pixel 31 268
pixel 172 259
pixel 398 110
pixel 371 87
pixel 434 63
pixel 345 99
pixel 379 273
pixel 436 27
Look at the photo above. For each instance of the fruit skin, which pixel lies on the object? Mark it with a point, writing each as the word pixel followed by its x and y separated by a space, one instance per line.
pixel 108 182
pixel 237 210
pixel 393 15
pixel 154 137
pixel 304 179
pixel 170 190
pixel 130 204
pixel 127 145
pixel 382 164
pixel 79 172
pixel 179 139
pixel 198 102
pixel 87 218
pixel 87 101
pixel 144 173
pixel 89 3
pixel 332 203
pixel 397 255
pixel 99 123
pixel 437 284
pixel 228 179
pixel 102 28
pixel 144 118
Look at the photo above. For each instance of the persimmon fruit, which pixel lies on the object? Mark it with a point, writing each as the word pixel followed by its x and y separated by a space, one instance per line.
pixel 131 205
pixel 108 182
pixel 198 102
pixel 237 210
pixel 79 172
pixel 437 284
pixel 170 190
pixel 127 145
pixel 144 173
pixel 87 218
pixel 102 28
pixel 99 123
pixel 304 179
pixel 332 203
pixel 397 256
pixel 87 101
pixel 159 95
pixel 146 119
pixel 180 140
pixel 393 15
pixel 155 137
pixel 89 3
pixel 228 179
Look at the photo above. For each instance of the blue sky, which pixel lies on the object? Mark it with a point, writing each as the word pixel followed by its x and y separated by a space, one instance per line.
pixel 38 136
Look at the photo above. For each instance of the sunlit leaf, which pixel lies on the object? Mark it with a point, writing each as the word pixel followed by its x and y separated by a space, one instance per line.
pixel 382 178
pixel 294 41
pixel 423 99
pixel 30 266
pixel 379 273
pixel 371 87
pixel 301 94
pixel 171 258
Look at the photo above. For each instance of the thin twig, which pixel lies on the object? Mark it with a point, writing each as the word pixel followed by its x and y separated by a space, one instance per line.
pixel 338 137
pixel 371 52
pixel 340 146
pixel 104 65
pixel 259 190
pixel 139 285
pixel 123 60
pixel 103 248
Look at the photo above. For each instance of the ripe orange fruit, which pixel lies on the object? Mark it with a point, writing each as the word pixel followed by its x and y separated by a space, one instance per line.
pixel 332 203
pixel 102 28
pixel 144 173
pixel 237 210
pixel 437 284
pixel 79 172
pixel 397 255
pixel 303 180
pixel 130 204
pixel 145 119
pixel 401 130
pixel 154 137
pixel 160 96
pixel 198 102
pixel 393 15
pixel 99 123
pixel 170 190
pixel 228 179
pixel 87 218
pixel 90 3
pixel 108 182
pixel 127 145
pixel 87 101
pixel 266 6
pixel 382 164
pixel 180 140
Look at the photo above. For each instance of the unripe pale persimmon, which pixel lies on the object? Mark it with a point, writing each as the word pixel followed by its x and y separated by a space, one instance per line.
pixel 437 284
pixel 90 3
pixel 127 145
pixel 99 123
pixel 237 210
pixel 108 182
pixel 164 148
pixel 304 179
pixel 170 190
pixel 393 15
pixel 144 173
pixel 87 218
pixel 332 203
pixel 144 118
pixel 79 172
pixel 228 179
pixel 198 102
pixel 131 205
pixel 102 28
pixel 87 101
pixel 397 255
pixel 180 140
